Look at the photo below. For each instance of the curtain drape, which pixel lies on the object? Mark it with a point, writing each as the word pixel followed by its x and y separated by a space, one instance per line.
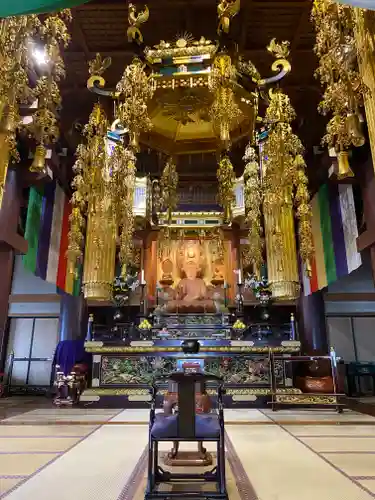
pixel 24 7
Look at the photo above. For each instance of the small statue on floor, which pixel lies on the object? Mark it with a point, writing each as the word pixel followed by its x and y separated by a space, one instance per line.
pixel 70 387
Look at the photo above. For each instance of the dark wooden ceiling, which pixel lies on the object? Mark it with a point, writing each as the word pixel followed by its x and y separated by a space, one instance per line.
pixel 100 26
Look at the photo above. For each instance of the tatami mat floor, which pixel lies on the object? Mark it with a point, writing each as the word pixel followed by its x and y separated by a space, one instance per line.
pixel 286 456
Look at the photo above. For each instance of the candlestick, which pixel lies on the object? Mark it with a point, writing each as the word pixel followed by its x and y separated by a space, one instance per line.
pixel 142 277
pixel 240 300
pixel 89 328
pixel 292 327
pixel 143 300
pixel 239 277
pixel 225 294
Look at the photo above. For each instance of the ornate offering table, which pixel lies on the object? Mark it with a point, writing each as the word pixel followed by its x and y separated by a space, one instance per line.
pixel 123 374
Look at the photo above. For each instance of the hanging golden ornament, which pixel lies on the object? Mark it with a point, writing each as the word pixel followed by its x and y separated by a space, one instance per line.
pixel 284 181
pixel 224 111
pixel 253 209
pixel 226 178
pixel 135 90
pixel 344 90
pixel 15 33
pixel 168 184
pixel 44 126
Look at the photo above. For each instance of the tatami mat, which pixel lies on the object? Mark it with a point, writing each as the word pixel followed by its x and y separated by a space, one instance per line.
pixel 281 468
pixel 96 463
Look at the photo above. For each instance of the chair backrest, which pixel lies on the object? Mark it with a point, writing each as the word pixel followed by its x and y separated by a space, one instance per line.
pixel 186 383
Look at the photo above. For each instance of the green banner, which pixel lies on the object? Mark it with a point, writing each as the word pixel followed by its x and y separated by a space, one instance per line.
pixel 24 7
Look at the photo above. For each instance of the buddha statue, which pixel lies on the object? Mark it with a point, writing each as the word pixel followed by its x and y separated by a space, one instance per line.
pixel 192 293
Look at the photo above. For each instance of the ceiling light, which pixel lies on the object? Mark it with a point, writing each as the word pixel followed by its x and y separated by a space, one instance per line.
pixel 40 56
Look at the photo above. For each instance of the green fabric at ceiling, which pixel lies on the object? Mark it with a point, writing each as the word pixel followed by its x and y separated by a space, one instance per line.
pixel 34 212
pixel 24 7
pixel 325 224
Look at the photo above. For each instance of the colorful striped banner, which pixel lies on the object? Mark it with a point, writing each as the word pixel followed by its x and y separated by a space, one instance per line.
pixel 47 228
pixel 335 232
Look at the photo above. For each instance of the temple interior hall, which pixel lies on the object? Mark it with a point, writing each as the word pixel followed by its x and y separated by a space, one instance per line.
pixel 187 249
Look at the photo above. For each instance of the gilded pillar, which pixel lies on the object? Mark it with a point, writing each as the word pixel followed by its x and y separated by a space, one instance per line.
pixel 281 247
pixel 7 123
pixel 100 255
pixel 365 33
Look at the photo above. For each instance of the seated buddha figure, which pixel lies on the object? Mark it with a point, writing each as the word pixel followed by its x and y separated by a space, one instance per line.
pixel 192 294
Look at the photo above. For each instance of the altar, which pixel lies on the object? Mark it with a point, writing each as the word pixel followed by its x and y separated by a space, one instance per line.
pixel 170 257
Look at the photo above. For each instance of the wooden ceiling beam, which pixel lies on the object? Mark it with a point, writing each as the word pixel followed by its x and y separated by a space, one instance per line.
pixel 80 36
pixel 245 20
pixel 166 4
pixel 130 53
pixel 303 20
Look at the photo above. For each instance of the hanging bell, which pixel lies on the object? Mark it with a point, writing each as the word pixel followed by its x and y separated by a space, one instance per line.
pixel 353 126
pixel 344 169
pixel 39 162
pixel 9 123
pixel 308 269
pixel 134 141
pixel 227 214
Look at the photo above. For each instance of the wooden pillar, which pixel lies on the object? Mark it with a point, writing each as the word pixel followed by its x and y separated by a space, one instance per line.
pixel 6 271
pixel 312 324
pixel 365 40
pixel 366 240
pixel 10 243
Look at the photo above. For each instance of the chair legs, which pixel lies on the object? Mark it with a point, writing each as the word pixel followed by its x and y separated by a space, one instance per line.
pixel 156 475
pixel 221 466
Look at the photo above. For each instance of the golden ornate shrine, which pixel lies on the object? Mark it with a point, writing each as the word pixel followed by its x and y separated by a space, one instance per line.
pixel 185 97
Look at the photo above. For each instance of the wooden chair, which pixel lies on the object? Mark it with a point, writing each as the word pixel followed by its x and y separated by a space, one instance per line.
pixel 187 425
